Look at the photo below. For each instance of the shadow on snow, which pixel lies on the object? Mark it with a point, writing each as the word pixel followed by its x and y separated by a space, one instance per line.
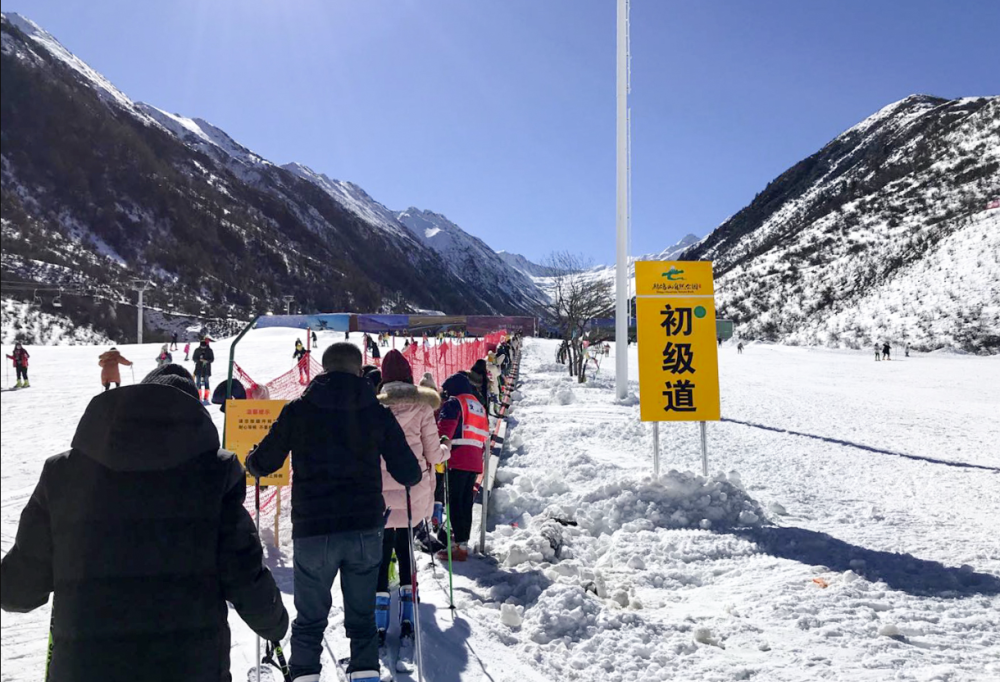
pixel 868 448
pixel 902 572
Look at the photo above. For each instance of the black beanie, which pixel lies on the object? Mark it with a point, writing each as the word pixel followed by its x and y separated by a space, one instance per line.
pixel 174 376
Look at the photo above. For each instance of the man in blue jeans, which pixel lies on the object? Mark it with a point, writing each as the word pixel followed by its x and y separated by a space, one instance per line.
pixel 337 434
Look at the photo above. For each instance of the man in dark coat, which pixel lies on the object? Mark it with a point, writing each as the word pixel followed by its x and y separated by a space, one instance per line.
pixel 140 532
pixel 337 433
pixel 203 358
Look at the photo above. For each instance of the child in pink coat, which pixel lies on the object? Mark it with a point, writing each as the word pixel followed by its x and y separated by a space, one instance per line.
pixel 414 408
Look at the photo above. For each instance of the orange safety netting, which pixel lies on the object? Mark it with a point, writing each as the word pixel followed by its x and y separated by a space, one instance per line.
pixel 289 386
pixel 446 358
pixel 442 361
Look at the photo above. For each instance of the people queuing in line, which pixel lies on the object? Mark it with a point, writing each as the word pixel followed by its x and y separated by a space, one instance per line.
pixel 371 450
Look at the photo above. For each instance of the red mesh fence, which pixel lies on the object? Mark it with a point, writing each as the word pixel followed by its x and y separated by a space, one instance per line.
pixel 441 360
pixel 445 359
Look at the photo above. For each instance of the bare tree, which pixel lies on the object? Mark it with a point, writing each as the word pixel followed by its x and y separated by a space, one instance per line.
pixel 578 296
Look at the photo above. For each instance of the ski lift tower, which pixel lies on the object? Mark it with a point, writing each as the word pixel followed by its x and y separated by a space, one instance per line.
pixel 288 304
pixel 140 286
pixel 622 214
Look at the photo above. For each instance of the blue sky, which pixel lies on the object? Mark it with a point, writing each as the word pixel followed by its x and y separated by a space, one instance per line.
pixel 501 114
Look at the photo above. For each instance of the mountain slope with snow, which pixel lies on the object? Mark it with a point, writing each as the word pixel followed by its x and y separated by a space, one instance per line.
pixel 884 235
pixel 109 190
pixel 470 259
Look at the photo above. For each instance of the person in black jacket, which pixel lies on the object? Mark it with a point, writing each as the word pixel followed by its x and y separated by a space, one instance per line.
pixel 203 358
pixel 140 533
pixel 337 434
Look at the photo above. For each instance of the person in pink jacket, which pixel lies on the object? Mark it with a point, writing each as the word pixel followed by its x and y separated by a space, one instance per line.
pixel 414 408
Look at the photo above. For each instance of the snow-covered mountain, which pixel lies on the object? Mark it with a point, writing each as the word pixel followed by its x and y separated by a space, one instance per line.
pixel 525 266
pixel 470 259
pixel 886 234
pixel 98 189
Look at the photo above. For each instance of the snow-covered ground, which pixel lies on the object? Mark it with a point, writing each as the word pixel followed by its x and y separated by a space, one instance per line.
pixel 851 535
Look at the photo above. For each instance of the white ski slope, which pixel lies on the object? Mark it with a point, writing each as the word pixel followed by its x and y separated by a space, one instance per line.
pixel 882 480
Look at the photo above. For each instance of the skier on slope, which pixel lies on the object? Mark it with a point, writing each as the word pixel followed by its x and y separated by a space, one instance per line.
pixel 187 351
pixel 464 423
pixel 164 358
pixel 20 359
pixel 109 363
pixel 414 409
pixel 337 432
pixel 173 342
pixel 886 350
pixel 203 358
pixel 300 356
pixel 140 581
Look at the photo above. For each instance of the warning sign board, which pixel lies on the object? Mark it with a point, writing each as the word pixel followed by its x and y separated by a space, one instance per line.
pixel 247 422
pixel 678 353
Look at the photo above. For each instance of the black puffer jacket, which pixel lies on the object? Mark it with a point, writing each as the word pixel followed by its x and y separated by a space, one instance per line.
pixel 337 433
pixel 141 534
pixel 203 358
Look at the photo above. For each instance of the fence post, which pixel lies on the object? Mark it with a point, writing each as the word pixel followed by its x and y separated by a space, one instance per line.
pixel 277 521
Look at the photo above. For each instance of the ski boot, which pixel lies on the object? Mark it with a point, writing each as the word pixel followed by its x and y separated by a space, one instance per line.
pixel 365 676
pixel 25 384
pixel 405 659
pixel 382 601
pixel 406 607
pixel 18 384
pixel 437 520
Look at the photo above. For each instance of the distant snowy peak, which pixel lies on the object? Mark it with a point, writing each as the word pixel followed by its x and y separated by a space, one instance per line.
pixel 469 257
pixel 525 266
pixel 202 135
pixel 676 251
pixel 352 198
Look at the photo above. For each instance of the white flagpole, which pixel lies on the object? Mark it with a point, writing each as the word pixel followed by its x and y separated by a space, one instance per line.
pixel 621 271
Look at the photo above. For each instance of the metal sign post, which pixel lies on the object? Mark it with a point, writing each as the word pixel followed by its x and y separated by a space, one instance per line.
pixel 704 449
pixel 656 449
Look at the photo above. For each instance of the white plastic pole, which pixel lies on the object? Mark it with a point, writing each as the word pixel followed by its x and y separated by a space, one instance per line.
pixel 621 271
pixel 704 449
pixel 485 495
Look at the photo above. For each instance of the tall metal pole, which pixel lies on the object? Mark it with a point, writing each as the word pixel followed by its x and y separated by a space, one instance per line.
pixel 621 269
pixel 139 286
pixel 288 304
pixel 139 330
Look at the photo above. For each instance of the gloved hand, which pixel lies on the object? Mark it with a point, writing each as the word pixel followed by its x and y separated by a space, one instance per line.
pixel 252 468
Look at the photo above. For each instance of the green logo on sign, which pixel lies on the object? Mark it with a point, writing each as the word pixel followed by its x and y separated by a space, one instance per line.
pixel 674 275
pixel 700 312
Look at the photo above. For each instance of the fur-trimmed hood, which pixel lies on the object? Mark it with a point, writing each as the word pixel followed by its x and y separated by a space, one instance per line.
pixel 400 393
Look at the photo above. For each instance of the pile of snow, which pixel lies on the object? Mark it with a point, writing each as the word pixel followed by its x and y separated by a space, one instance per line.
pixel 677 500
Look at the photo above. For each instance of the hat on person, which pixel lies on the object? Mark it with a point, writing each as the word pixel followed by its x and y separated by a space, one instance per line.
pixel 373 374
pixel 396 368
pixel 428 381
pixel 174 376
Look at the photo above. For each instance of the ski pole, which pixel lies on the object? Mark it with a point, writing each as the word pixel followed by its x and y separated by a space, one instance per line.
pixel 256 490
pixel 413 584
pixel 447 530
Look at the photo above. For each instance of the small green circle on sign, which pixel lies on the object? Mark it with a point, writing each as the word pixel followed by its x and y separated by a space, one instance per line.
pixel 700 312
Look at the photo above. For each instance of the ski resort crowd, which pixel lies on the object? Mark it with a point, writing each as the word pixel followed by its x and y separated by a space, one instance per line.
pixel 141 534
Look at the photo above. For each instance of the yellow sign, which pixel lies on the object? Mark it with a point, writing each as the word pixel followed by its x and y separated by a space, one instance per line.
pixel 247 422
pixel 678 356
